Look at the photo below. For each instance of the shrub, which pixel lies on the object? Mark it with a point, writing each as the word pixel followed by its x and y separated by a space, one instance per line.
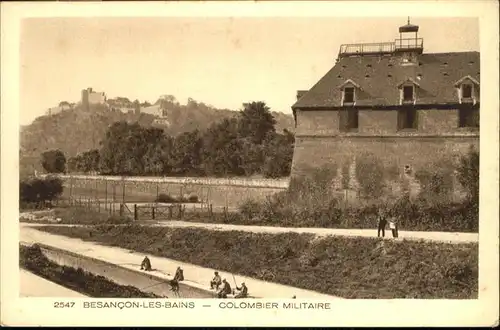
pixel 193 199
pixel 250 208
pixel 117 219
pixel 350 267
pixel 165 198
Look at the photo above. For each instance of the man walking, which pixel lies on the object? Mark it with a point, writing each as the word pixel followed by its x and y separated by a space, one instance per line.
pixel 382 222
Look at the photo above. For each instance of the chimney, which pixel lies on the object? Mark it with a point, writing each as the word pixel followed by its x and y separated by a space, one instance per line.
pixel 300 94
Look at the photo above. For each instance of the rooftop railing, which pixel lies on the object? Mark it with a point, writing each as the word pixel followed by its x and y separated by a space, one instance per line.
pixel 380 48
pixel 410 43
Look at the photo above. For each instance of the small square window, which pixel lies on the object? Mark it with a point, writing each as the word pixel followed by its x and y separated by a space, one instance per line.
pixel 349 95
pixel 408 93
pixel 349 120
pixel 466 91
pixel 468 117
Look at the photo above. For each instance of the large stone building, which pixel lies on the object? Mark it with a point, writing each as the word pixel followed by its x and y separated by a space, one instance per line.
pixel 91 97
pixel 389 106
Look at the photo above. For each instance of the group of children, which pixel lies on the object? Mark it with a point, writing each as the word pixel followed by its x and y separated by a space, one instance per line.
pixel 383 218
pixel 217 282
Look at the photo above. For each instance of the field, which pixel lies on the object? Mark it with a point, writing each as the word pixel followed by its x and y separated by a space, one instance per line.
pixel 341 266
pixel 32 259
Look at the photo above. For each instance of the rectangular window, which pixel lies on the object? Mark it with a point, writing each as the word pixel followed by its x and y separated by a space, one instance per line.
pixel 349 95
pixel 348 120
pixel 466 91
pixel 408 93
pixel 468 117
pixel 407 119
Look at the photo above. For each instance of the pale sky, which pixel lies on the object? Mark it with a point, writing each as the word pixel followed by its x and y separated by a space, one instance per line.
pixel 220 61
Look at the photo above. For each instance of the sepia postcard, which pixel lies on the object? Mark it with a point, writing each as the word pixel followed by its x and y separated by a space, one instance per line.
pixel 250 163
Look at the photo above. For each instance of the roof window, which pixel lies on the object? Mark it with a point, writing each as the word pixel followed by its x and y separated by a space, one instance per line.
pixel 467 89
pixel 348 95
pixel 407 90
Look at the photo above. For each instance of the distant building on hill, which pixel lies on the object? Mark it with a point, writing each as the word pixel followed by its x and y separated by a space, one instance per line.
pixel 90 97
pixel 122 104
pixel 159 110
pixel 58 109
pixel 389 107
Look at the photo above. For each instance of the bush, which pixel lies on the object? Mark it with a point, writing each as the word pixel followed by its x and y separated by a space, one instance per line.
pixel 193 199
pixel 117 219
pixel 250 208
pixel 165 198
pixel 350 267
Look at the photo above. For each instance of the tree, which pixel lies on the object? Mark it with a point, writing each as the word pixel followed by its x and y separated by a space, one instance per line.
pixel 222 148
pixel 40 190
pixel 53 161
pixel 256 122
pixel 278 155
pixel 186 154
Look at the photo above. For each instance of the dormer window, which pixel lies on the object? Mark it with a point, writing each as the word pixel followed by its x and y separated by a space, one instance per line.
pixel 349 95
pixel 349 90
pixel 408 95
pixel 467 88
pixel 408 89
pixel 467 91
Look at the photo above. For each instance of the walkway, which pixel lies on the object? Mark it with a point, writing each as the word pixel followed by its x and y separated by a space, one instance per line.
pixel 443 237
pixel 198 276
pixel 32 285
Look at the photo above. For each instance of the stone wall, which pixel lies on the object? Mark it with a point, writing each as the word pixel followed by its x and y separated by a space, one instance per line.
pixel 216 191
pixel 141 280
pixel 437 143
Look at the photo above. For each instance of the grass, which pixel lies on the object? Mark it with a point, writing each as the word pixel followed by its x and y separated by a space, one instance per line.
pixel 32 259
pixel 340 266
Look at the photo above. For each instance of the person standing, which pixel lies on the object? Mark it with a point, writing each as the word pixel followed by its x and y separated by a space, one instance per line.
pixel 393 225
pixel 382 222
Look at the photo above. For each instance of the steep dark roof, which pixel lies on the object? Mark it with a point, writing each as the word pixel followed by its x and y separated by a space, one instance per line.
pixel 379 76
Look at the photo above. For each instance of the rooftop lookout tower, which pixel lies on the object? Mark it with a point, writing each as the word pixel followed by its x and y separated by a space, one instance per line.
pixel 408 43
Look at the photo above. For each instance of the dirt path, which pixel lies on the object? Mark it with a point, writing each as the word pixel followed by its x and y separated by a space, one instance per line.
pixel 444 237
